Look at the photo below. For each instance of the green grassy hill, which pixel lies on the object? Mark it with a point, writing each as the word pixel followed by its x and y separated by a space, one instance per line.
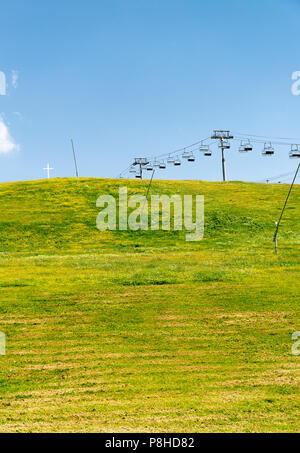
pixel 143 331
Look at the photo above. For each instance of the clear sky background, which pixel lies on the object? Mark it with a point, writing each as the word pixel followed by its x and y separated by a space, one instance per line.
pixel 130 78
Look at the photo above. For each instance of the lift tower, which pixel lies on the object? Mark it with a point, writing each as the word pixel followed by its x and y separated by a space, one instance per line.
pixel 141 162
pixel 224 137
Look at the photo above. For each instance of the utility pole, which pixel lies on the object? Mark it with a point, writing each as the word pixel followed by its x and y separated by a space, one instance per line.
pixel 224 137
pixel 223 160
pixel 75 162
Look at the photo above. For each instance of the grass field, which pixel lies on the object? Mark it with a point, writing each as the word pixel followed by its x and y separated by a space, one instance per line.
pixel 124 332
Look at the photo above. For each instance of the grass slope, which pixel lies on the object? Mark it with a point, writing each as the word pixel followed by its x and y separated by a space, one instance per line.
pixel 110 331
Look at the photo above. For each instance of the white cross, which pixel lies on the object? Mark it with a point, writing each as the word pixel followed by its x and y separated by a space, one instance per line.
pixel 48 168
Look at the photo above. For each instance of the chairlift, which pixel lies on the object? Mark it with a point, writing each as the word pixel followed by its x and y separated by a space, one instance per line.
pixel 132 170
pixel 170 159
pixel 177 162
pixel 224 144
pixel 162 166
pixel 156 163
pixel 268 149
pixel 186 154
pixel 295 151
pixel 191 158
pixel 149 167
pixel 248 146
pixel 203 148
pixel 138 176
pixel 207 152
pixel 245 146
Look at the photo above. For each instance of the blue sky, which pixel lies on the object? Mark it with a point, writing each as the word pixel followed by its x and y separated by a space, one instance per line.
pixel 141 78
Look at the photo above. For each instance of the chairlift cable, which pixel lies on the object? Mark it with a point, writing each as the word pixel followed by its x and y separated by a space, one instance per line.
pixel 267 136
pixel 150 183
pixel 75 161
pixel 283 209
pixel 148 190
pixel 183 148
pixel 124 171
pixel 273 178
pixel 237 139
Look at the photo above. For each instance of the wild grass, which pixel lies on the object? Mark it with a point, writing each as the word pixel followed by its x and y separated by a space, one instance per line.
pixel 124 332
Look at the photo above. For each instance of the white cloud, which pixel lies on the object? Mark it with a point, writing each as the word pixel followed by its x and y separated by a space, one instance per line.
pixel 14 78
pixel 2 84
pixel 7 143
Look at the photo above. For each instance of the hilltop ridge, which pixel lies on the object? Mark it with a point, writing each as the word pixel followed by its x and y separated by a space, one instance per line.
pixel 59 214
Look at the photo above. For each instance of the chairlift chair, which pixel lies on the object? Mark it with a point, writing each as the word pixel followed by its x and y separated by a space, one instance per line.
pixel 225 144
pixel 268 149
pixel 295 151
pixel 156 163
pixel 245 146
pixel 149 167
pixel 177 162
pixel 132 170
pixel 203 148
pixel 207 152
pixel 191 158
pixel 162 166
pixel 186 154
pixel 248 146
pixel 170 160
